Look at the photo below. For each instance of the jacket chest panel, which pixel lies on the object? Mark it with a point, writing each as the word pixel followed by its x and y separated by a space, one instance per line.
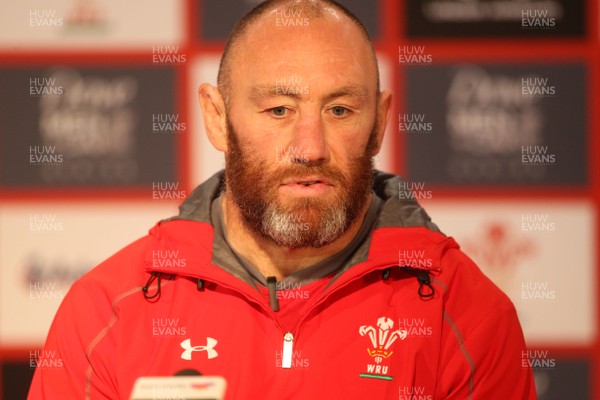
pixel 371 343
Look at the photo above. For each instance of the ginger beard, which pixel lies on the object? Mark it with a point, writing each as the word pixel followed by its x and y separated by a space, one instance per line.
pixel 296 222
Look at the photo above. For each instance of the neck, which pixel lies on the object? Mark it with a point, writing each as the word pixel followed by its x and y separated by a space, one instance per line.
pixel 271 259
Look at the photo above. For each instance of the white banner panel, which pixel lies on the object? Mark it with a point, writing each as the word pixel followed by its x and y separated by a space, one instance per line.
pixel 541 254
pixel 45 247
pixel 90 25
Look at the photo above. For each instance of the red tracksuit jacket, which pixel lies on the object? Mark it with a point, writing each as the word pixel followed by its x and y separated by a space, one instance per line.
pixel 426 325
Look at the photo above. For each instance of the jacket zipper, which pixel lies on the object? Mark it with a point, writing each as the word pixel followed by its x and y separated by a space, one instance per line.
pixel 289 337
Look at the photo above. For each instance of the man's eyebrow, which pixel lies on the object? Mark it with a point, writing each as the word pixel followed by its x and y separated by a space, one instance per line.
pixel 360 92
pixel 258 92
pixel 264 91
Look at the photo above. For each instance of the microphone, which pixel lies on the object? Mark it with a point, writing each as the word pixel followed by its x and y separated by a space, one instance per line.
pixel 185 384
pixel 188 372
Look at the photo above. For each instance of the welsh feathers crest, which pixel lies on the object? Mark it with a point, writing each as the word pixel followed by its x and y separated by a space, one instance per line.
pixel 382 337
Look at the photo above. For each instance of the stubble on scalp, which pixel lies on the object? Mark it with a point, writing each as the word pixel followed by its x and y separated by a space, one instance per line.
pixel 310 9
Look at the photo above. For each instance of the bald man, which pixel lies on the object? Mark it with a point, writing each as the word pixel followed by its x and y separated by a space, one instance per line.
pixel 298 272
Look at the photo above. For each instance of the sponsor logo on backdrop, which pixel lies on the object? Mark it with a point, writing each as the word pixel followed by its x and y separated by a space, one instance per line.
pixel 88 127
pixel 533 12
pixel 494 130
pixel 40 269
pixel 51 279
pixel 500 249
pixel 487 113
pixel 495 18
pixel 92 119
pixel 498 124
pixel 85 16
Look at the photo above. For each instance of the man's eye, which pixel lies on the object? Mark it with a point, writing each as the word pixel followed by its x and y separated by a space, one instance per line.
pixel 278 111
pixel 339 111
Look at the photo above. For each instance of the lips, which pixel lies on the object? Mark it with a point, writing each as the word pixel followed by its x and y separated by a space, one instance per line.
pixel 309 181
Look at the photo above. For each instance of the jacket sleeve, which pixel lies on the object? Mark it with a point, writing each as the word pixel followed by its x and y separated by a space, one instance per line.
pixel 491 361
pixel 483 355
pixel 71 365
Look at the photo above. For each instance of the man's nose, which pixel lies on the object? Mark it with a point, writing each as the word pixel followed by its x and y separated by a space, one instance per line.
pixel 309 135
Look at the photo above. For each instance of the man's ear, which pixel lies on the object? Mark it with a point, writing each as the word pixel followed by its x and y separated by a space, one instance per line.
pixel 383 112
pixel 214 115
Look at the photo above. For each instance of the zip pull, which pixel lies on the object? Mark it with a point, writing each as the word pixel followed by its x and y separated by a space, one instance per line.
pixel 288 350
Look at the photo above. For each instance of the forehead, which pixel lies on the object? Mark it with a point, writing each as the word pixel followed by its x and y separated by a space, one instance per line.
pixel 329 50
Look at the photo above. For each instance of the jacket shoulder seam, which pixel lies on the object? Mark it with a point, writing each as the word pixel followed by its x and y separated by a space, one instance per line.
pixel 91 347
pixel 460 340
pixel 461 344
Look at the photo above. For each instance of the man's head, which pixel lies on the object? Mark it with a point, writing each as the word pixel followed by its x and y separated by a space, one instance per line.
pixel 288 13
pixel 299 115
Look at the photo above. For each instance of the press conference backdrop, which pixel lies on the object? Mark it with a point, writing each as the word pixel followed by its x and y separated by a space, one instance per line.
pixel 495 125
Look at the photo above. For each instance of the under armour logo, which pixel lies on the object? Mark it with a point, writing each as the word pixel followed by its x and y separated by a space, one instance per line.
pixel 189 349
